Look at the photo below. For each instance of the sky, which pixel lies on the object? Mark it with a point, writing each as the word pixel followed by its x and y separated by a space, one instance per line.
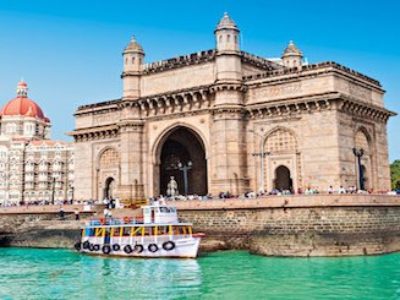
pixel 69 52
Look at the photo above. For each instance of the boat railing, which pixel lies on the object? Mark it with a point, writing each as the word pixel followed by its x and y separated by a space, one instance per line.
pixel 115 221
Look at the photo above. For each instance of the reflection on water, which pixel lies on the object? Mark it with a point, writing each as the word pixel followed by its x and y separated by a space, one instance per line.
pixel 61 274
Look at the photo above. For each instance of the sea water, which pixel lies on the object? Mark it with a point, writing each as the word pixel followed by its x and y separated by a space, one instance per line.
pixel 64 274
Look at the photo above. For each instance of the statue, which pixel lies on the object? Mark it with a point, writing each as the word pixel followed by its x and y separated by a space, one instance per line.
pixel 172 188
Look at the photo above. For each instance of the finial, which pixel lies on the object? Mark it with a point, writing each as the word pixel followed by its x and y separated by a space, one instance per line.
pixel 22 89
pixel 227 23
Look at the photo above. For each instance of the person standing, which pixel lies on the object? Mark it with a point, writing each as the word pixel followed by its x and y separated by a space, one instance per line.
pixel 77 215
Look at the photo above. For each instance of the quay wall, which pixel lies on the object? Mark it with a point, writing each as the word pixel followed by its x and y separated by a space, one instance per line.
pixel 321 225
pixel 300 226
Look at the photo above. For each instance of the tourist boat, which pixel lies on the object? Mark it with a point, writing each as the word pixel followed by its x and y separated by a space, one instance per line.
pixel 157 232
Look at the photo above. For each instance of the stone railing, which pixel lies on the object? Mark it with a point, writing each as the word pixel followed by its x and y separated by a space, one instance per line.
pixel 179 61
pixel 297 201
pixel 311 67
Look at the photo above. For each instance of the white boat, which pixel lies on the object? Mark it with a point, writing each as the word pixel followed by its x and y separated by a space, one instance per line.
pixel 156 233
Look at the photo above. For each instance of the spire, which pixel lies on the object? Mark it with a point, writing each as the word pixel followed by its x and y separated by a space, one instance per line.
pixel 134 46
pixel 22 89
pixel 292 50
pixel 226 23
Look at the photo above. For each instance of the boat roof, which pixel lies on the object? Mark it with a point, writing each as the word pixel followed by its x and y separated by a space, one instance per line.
pixel 136 225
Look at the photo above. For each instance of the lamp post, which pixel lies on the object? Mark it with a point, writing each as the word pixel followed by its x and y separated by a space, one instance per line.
pixel 53 192
pixel 185 169
pixel 71 187
pixel 262 154
pixel 359 154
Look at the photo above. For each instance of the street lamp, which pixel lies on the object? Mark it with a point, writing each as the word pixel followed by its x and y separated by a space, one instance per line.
pixel 185 169
pixel 359 154
pixel 262 154
pixel 71 187
pixel 53 192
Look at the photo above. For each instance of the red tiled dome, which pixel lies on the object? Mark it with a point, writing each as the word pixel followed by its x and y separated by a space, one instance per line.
pixel 22 105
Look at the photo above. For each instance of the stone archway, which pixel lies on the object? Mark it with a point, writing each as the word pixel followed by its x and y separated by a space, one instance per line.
pixel 181 146
pixel 109 188
pixel 283 180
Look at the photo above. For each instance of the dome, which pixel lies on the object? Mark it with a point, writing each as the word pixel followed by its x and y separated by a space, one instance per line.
pixel 22 105
pixel 291 49
pixel 134 46
pixel 226 23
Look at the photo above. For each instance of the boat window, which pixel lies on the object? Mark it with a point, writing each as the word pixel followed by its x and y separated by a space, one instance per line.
pixel 148 231
pixel 164 209
pixel 136 231
pixel 162 230
pixel 126 231
pixel 180 230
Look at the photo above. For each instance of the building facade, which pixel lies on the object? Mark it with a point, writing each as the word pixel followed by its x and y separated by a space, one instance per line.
pixel 226 120
pixel 33 168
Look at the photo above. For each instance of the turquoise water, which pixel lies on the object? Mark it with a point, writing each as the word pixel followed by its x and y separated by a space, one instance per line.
pixel 63 274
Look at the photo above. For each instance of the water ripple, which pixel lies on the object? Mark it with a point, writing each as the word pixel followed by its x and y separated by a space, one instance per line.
pixel 62 274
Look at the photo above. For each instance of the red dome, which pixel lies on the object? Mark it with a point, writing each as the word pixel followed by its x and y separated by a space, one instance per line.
pixel 22 105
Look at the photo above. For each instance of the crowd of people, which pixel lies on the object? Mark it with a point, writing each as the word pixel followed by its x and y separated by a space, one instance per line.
pixel 115 203
pixel 274 192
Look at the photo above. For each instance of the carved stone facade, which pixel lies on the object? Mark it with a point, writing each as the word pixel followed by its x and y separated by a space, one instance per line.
pixel 255 123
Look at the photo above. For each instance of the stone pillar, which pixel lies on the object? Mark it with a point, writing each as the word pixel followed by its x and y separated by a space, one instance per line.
pixel 381 158
pixel 131 176
pixel 228 152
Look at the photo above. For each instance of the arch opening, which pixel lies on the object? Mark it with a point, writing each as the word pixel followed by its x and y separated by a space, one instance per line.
pixel 181 155
pixel 109 188
pixel 283 181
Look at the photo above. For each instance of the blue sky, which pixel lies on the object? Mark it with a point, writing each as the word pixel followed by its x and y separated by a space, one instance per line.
pixel 69 52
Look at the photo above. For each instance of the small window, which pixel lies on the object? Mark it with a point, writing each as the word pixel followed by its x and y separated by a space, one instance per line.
pixel 228 38
pixel 133 59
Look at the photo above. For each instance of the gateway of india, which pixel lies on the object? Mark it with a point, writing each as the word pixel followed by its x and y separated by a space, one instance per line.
pixel 224 120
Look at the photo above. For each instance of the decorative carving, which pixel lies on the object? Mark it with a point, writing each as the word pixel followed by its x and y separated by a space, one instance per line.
pixel 109 159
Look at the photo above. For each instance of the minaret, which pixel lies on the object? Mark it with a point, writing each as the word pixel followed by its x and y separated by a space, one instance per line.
pixel 133 57
pixel 228 59
pixel 292 57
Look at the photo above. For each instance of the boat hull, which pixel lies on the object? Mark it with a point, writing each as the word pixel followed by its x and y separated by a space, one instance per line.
pixel 183 248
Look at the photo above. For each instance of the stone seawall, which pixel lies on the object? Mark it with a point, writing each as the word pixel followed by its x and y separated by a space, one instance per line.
pixel 279 226
pixel 300 226
pixel 40 230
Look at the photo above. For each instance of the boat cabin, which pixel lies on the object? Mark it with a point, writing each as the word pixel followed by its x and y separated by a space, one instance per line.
pixel 159 214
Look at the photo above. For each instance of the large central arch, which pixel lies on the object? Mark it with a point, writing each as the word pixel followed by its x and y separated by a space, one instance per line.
pixel 181 145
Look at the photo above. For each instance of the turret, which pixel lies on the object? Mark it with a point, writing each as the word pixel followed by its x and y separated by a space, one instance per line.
pixel 292 57
pixel 227 35
pixel 133 57
pixel 228 59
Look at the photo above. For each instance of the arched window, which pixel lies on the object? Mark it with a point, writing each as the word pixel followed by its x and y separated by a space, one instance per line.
pixel 362 140
pixel 133 60
pixel 228 38
pixel 109 159
pixel 280 140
